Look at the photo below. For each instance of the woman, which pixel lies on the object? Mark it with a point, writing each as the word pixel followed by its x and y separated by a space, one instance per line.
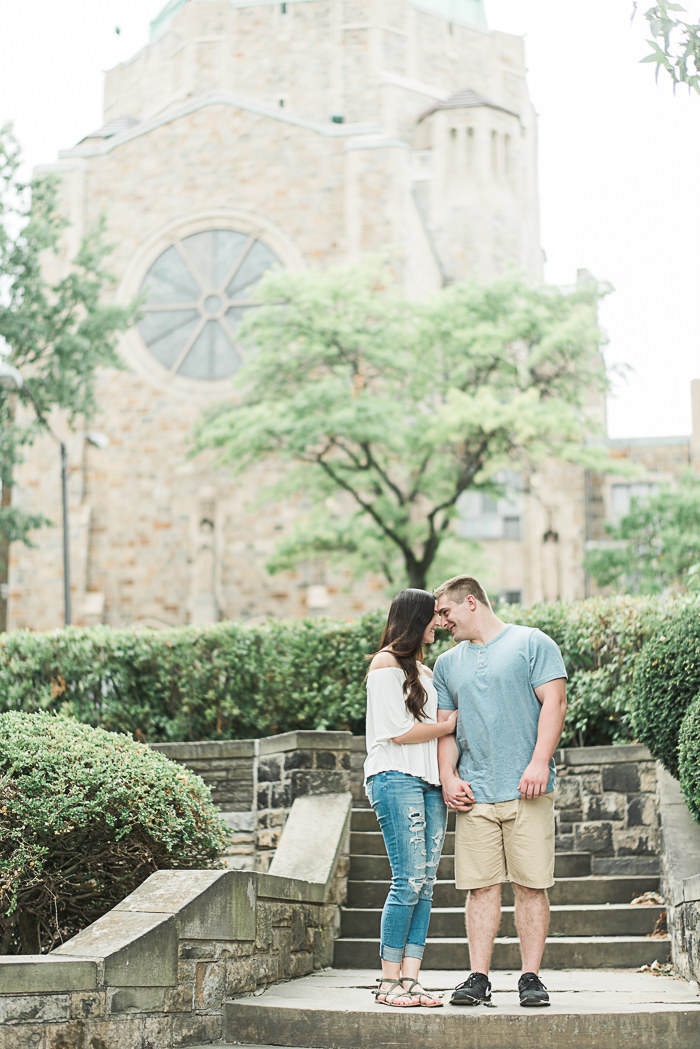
pixel 403 787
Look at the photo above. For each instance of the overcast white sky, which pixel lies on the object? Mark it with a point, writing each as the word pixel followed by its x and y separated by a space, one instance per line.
pixel 619 162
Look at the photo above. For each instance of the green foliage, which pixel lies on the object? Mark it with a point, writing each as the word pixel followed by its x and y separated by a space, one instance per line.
pixel 58 331
pixel 675 46
pixel 232 681
pixel 600 640
pixel 387 409
pixel 657 544
pixel 666 681
pixel 85 816
pixel 689 758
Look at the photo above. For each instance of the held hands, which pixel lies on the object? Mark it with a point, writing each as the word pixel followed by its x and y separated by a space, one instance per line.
pixel 534 779
pixel 458 794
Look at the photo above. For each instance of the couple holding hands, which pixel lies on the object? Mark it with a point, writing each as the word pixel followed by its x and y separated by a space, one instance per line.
pixel 477 735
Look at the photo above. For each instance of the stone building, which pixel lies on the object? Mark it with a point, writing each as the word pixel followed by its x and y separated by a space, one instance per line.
pixel 247 134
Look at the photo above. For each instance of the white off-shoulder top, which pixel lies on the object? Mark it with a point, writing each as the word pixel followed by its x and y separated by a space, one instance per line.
pixel 387 717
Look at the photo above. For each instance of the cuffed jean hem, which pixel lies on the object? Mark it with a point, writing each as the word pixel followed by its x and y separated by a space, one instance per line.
pixel 391 954
pixel 413 950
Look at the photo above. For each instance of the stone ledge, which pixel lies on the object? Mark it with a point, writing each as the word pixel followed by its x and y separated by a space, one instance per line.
pixel 225 748
pixel 681 842
pixel 46 974
pixel 305 741
pixel 625 752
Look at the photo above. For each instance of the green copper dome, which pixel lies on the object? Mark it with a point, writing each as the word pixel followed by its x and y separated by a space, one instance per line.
pixel 466 12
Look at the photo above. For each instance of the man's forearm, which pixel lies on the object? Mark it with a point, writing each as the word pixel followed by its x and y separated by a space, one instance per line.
pixel 549 730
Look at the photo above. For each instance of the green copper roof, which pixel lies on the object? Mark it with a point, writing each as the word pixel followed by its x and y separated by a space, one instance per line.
pixel 466 12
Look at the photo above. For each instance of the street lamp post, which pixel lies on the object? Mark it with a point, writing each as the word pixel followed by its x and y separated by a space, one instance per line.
pixel 11 379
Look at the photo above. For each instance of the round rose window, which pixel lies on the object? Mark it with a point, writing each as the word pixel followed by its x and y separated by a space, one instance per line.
pixel 196 294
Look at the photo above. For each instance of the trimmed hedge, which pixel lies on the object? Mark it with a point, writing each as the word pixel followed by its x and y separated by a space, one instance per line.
pixel 85 817
pixel 232 681
pixel 689 758
pixel 666 681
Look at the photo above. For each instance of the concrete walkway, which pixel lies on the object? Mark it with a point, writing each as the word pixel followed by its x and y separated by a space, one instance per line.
pixel 591 1009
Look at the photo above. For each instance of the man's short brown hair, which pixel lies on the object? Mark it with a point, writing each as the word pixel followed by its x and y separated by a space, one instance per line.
pixel 460 587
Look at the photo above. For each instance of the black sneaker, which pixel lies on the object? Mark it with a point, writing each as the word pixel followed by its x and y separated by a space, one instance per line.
pixel 476 990
pixel 531 990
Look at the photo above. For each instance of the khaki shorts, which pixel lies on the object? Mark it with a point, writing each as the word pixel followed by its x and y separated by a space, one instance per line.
pixel 508 841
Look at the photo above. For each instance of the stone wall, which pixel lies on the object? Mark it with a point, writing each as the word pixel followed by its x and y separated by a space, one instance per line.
pixel 605 804
pixel 680 836
pixel 255 783
pixel 154 972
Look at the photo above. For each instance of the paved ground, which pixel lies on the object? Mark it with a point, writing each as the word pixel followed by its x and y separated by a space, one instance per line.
pixel 571 991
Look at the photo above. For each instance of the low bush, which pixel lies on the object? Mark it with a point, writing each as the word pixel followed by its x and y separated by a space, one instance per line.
pixel 85 816
pixel 666 681
pixel 232 681
pixel 600 640
pixel 689 758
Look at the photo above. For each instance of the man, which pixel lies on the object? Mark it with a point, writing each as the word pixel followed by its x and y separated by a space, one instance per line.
pixel 508 684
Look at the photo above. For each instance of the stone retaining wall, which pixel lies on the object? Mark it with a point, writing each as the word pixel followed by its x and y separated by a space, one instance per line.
pixel 681 876
pixel 154 972
pixel 605 804
pixel 256 781
pixel 605 796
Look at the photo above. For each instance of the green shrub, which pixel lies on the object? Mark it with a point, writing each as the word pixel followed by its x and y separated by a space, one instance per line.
pixel 600 640
pixel 232 681
pixel 689 758
pixel 85 816
pixel 666 681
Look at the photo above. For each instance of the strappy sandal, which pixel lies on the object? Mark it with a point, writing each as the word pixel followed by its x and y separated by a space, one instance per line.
pixel 416 991
pixel 390 995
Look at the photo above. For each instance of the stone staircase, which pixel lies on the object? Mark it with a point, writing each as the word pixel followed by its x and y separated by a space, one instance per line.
pixel 593 924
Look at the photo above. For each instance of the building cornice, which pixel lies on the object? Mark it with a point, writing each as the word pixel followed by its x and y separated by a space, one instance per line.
pixel 96 148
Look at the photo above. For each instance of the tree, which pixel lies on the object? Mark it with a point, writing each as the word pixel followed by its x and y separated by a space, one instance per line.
pixel 387 410
pixel 656 545
pixel 675 44
pixel 58 333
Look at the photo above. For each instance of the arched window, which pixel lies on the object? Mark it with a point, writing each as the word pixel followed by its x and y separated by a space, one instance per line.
pixel 196 294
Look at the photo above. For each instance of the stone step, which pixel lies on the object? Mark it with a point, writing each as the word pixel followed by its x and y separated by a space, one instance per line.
pixel 371 868
pixel 564 952
pixel 589 890
pixel 610 920
pixel 371 843
pixel 365 820
pixel 590 1010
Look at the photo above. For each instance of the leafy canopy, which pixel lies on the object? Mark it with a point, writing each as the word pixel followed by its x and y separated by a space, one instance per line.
pixel 388 409
pixel 59 332
pixel 657 544
pixel 675 46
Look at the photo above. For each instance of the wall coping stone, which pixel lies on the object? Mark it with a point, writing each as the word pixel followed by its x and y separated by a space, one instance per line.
pixel 46 974
pixel 623 752
pixel 307 849
pixel 306 740
pixel 224 748
pixel 681 841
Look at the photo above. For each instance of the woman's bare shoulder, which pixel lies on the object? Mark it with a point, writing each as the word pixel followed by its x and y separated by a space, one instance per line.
pixel 384 659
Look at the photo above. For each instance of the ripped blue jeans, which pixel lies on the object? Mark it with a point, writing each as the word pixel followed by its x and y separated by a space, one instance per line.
pixel 413 820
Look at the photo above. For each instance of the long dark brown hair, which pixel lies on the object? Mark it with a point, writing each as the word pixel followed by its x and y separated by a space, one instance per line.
pixel 409 615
